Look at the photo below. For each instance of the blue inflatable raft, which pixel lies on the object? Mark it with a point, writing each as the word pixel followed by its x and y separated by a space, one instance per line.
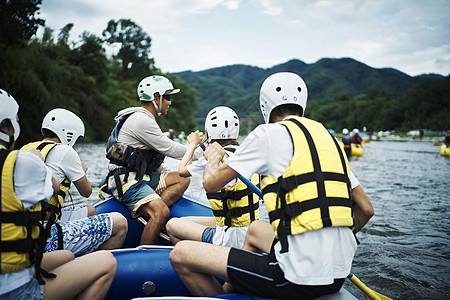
pixel 145 272
pixel 186 206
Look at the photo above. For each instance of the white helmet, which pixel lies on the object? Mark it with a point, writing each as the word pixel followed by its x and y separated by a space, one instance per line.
pixel 222 123
pixel 282 88
pixel 355 131
pixel 155 84
pixel 345 131
pixel 9 110
pixel 67 126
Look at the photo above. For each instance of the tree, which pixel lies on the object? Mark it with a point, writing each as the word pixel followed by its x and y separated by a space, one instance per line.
pixel 90 55
pixel 18 22
pixel 63 36
pixel 134 50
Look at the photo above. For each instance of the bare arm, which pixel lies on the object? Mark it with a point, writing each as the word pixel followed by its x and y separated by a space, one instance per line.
pixel 363 209
pixel 83 186
pixel 215 177
pixel 193 141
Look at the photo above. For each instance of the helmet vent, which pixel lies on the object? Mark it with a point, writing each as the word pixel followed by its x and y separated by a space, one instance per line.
pixel 53 118
pixel 226 123
pixel 69 136
pixel 278 89
pixel 214 125
pixel 213 118
pixel 299 89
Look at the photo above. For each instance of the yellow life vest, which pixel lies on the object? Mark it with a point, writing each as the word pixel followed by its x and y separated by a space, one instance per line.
pixel 22 240
pixel 57 201
pixel 314 192
pixel 237 205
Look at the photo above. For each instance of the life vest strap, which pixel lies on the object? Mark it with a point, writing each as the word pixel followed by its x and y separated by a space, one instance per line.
pixel 18 246
pixel 22 218
pixel 235 211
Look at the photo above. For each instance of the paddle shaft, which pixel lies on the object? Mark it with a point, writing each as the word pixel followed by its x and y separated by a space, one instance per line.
pixel 371 294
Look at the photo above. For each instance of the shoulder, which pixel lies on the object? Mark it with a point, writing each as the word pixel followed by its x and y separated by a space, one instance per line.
pixel 28 159
pixel 268 132
pixel 64 151
pixel 30 164
pixel 140 117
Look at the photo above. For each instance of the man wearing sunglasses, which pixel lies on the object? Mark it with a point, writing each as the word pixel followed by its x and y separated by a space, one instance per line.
pixel 146 188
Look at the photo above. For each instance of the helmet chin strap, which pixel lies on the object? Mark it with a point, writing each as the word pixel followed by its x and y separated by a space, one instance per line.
pixel 158 109
pixel 9 139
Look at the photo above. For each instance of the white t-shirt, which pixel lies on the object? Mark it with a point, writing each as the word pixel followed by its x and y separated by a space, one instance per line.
pixel 314 257
pixel 224 236
pixel 29 192
pixel 64 161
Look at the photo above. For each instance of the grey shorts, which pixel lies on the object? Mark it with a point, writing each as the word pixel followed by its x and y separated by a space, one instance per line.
pixel 29 291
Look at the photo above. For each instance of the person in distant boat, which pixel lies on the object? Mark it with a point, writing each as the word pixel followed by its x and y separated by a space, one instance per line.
pixel 76 228
pixel 447 139
pixel 347 142
pixel 136 150
pixel 235 206
pixel 171 135
pixel 306 189
pixel 26 187
pixel 356 137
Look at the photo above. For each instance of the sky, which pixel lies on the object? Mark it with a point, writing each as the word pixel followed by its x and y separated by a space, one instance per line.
pixel 412 36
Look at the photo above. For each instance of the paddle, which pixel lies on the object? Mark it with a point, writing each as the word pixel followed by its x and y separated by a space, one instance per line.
pixel 371 294
pixel 437 144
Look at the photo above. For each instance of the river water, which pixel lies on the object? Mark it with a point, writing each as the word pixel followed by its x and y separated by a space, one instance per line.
pixel 405 248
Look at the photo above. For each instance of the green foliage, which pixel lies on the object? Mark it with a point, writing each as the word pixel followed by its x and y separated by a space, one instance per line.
pixel 134 47
pixel 43 74
pixel 380 102
pixel 46 74
pixel 18 22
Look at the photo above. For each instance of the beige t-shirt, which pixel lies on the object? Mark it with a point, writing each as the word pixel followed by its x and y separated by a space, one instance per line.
pixel 142 131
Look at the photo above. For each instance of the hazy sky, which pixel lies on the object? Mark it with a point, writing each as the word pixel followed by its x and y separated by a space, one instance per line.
pixel 412 36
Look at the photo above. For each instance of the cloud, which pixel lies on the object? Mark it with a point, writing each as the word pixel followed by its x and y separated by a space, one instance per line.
pixel 412 36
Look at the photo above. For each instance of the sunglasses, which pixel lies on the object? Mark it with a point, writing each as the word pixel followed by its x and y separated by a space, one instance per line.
pixel 167 97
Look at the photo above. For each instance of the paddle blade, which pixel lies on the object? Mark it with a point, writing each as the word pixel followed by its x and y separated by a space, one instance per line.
pixel 437 144
pixel 370 294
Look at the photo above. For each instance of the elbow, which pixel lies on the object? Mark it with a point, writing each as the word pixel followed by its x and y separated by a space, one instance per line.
pixel 209 187
pixel 86 193
pixel 370 212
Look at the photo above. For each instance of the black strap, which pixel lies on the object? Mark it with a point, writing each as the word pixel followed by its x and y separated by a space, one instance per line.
pixel 60 236
pixel 18 246
pixel 21 218
pixel 235 212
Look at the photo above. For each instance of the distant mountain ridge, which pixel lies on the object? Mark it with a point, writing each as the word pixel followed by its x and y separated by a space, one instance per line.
pixel 238 86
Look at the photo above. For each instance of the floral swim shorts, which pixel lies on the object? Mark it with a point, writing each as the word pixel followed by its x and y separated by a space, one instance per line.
pixel 82 236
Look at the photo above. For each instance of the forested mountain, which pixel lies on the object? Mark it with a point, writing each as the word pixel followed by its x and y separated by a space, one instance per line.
pixel 231 85
pixel 53 71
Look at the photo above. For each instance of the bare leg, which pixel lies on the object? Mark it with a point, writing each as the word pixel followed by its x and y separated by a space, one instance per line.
pixel 87 277
pixel 198 274
pixel 176 186
pixel 91 210
pixel 119 232
pixel 52 260
pixel 158 212
pixel 187 228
